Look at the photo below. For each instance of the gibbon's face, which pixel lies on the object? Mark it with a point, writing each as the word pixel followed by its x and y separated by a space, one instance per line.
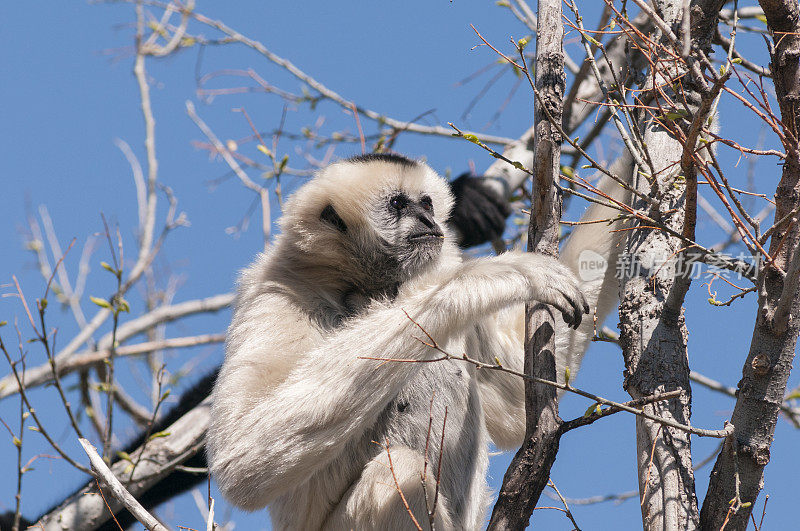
pixel 374 221
pixel 404 221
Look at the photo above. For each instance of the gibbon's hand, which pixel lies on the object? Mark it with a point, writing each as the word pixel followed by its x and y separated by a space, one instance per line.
pixel 479 213
pixel 553 283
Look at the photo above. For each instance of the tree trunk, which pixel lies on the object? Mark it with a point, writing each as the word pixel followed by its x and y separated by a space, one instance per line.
pixel 738 473
pixel 653 333
pixel 529 471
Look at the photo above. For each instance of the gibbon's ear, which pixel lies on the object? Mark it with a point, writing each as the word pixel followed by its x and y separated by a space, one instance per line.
pixel 329 215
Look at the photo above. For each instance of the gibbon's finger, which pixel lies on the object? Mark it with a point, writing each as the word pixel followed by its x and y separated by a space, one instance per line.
pixel 564 304
pixel 576 313
pixel 581 306
pixel 577 317
pixel 577 305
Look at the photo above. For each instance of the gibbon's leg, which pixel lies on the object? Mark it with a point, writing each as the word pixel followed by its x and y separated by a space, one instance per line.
pixel 501 336
pixel 262 446
pixel 374 500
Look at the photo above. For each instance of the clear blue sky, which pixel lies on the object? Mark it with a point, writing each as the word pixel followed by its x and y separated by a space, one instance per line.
pixel 67 92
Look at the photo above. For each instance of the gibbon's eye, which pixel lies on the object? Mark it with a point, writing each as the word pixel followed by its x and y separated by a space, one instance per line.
pixel 427 203
pixel 398 202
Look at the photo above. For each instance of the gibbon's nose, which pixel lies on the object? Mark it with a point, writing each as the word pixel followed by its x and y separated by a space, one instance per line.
pixel 426 219
pixel 425 225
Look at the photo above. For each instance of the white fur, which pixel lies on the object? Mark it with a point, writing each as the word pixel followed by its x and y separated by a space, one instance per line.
pixel 298 409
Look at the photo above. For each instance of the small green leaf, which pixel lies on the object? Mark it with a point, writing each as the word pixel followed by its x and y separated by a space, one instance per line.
pixel 568 171
pixel 17 442
pixel 123 305
pixel 592 40
pixel 165 395
pixel 518 165
pixel 793 395
pixel 284 162
pixel 42 304
pixel 497 361
pixel 762 18
pixel 100 302
pixel 158 435
pixel 502 3
pixel 736 60
pixel 3 323
pixel 263 149
pixel 107 267
pixel 566 375
pixel 523 42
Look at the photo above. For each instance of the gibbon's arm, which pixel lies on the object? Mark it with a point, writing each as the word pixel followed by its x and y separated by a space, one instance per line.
pixel 262 445
pixel 502 335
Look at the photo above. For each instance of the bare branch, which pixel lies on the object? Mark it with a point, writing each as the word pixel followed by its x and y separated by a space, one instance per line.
pixel 118 490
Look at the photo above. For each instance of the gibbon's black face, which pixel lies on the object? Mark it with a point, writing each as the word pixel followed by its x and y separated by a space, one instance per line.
pixel 405 224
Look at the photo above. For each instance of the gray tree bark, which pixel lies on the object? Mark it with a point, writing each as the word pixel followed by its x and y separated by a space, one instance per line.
pixel 653 333
pixel 738 473
pixel 529 471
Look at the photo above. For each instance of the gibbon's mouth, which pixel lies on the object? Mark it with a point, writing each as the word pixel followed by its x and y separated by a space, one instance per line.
pixel 429 235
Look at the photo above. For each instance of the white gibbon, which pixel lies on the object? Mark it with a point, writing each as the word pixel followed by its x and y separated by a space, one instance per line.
pixel 303 413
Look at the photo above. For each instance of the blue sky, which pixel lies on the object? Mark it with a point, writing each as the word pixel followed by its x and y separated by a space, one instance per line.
pixel 68 92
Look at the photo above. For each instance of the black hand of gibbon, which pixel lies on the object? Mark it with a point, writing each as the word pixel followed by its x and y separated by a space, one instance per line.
pixel 479 215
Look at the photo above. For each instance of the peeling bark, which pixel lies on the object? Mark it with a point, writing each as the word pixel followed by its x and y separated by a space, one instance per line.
pixel 738 473
pixel 653 333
